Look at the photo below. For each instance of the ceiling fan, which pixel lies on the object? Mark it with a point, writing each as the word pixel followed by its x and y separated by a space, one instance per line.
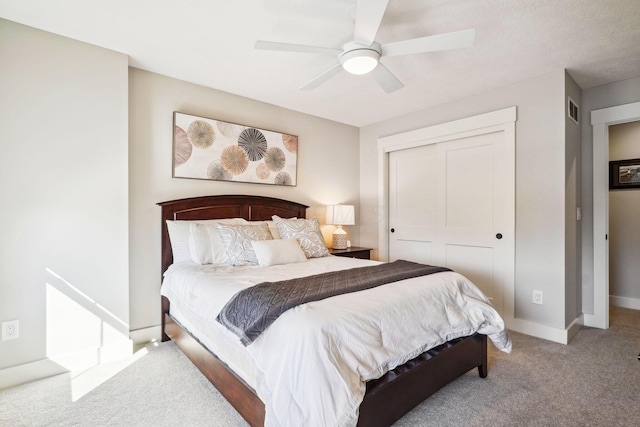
pixel 362 55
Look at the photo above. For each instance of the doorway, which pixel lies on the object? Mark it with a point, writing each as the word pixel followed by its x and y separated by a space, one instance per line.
pixel 601 120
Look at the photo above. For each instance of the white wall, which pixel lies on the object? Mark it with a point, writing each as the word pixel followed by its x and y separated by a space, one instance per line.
pixel 624 222
pixel 540 184
pixel 63 185
pixel 328 168
pixel 609 95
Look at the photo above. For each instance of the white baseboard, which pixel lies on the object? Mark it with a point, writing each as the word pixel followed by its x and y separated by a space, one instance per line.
pixel 61 364
pixel 561 336
pixel 625 302
pixel 146 335
pixel 28 372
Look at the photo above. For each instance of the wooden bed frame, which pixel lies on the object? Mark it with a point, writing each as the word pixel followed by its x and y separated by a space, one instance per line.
pixel 386 400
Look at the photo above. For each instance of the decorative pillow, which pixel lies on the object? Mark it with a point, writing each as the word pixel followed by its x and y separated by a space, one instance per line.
pixel 272 227
pixel 275 252
pixel 306 231
pixel 204 241
pixel 236 240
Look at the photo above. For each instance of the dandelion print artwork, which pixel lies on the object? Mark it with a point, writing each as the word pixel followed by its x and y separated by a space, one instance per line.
pixel 214 150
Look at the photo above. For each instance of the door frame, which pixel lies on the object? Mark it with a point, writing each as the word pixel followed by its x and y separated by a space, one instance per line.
pixel 495 121
pixel 600 121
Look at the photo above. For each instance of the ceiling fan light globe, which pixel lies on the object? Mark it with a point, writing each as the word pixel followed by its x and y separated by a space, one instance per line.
pixel 360 61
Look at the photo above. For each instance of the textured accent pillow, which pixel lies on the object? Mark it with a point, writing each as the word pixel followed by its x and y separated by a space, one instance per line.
pixel 236 240
pixel 204 241
pixel 276 252
pixel 306 231
pixel 272 227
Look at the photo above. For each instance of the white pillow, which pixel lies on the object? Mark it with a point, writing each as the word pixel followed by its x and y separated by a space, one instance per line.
pixel 236 240
pixel 204 241
pixel 276 252
pixel 199 241
pixel 179 238
pixel 306 231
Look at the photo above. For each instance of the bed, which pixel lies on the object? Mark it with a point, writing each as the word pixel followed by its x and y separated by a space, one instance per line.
pixel 386 398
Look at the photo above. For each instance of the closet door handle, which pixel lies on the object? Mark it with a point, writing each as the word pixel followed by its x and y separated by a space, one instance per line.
pixel 393 230
pixel 499 236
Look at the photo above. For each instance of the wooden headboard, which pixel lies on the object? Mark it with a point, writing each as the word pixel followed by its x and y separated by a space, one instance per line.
pixel 251 208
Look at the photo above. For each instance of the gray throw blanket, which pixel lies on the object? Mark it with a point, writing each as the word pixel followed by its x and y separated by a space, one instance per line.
pixel 252 310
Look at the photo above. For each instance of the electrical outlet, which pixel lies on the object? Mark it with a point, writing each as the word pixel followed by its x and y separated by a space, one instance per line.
pixel 537 297
pixel 10 330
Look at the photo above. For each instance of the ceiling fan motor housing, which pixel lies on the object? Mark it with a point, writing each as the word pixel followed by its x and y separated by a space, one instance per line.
pixel 360 59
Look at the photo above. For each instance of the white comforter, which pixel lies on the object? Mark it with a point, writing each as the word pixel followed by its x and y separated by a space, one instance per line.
pixel 311 365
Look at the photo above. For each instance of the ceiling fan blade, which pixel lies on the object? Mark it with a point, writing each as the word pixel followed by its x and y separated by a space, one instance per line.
pixel 369 14
pixel 455 40
pixel 289 47
pixel 318 80
pixel 387 81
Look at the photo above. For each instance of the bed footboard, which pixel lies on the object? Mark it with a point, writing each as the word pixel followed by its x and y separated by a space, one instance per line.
pixel 399 391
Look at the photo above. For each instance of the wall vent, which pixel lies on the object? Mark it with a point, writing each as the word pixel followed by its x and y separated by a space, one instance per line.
pixel 573 111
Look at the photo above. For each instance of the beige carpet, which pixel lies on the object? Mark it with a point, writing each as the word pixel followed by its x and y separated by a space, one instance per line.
pixel 594 381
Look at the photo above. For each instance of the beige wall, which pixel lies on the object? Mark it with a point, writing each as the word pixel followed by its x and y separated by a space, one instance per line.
pixel 75 230
pixel 63 185
pixel 624 222
pixel 573 290
pixel 328 169
pixel 540 184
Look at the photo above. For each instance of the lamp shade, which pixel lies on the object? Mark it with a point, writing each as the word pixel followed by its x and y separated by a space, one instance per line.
pixel 340 215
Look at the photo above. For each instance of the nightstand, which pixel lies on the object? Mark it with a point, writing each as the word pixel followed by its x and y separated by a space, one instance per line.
pixel 352 252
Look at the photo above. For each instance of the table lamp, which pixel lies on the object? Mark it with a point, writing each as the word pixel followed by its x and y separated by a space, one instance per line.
pixel 340 215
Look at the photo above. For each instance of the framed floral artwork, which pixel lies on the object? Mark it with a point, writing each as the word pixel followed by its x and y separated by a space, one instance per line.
pixel 211 149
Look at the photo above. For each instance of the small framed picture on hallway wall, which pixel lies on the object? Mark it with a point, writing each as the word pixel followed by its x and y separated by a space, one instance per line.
pixel 624 174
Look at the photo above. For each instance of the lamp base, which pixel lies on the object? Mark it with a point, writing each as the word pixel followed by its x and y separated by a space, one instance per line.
pixel 339 239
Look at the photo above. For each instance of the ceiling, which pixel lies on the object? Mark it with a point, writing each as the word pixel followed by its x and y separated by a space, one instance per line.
pixel 210 43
